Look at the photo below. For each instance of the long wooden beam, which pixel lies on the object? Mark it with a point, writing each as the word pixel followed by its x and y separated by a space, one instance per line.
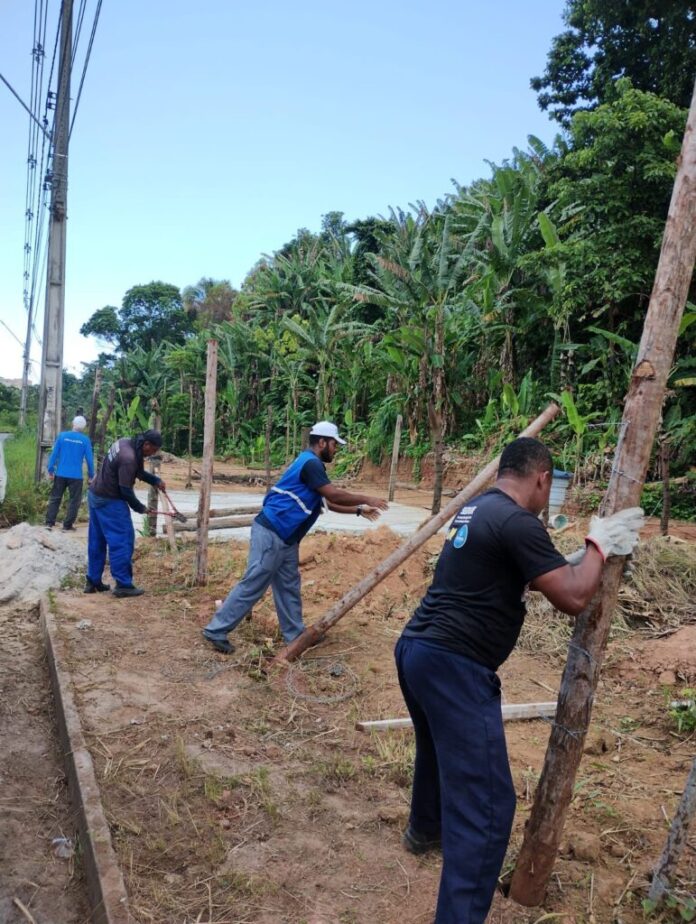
pixel 512 712
pixel 313 633
pixel 641 415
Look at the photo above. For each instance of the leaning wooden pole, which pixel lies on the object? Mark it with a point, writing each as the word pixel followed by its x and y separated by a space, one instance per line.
pixel 639 425
pixel 313 633
pixel 395 458
pixel 676 839
pixel 207 464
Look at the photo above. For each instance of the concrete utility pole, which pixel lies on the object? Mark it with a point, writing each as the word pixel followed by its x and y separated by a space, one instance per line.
pixel 50 390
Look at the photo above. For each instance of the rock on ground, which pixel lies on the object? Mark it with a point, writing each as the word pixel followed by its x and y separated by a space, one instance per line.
pixel 34 559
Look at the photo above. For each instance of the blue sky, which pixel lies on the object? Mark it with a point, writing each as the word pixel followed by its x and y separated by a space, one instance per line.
pixel 208 133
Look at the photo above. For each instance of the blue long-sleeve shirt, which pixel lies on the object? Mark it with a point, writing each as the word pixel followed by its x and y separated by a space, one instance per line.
pixel 71 449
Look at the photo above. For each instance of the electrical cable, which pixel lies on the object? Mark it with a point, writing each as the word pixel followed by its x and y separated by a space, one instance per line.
pixel 84 68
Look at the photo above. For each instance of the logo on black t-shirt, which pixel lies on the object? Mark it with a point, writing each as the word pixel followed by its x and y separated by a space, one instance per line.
pixel 459 531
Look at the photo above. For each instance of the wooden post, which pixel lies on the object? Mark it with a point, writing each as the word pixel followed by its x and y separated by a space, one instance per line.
pixel 512 712
pixel 395 457
pixel 678 833
pixel 641 415
pixel 347 602
pixel 95 404
pixel 267 448
pixel 189 482
pixel 666 499
pixel 207 464
pixel 153 466
pixel 168 525
pixel 105 423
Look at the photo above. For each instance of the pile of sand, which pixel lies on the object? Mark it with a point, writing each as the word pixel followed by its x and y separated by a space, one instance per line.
pixel 34 559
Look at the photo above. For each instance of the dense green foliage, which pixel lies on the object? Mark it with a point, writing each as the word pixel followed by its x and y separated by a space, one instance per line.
pixel 652 42
pixel 465 317
pixel 24 501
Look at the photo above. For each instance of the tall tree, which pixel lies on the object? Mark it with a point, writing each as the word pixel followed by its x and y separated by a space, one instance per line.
pixel 653 42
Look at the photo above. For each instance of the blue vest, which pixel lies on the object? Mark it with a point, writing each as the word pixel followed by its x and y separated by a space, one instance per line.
pixel 290 502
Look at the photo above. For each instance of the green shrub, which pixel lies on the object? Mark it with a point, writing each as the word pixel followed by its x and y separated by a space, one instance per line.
pixel 682 498
pixel 24 500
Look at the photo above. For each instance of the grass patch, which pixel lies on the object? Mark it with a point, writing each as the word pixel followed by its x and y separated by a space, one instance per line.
pixel 24 500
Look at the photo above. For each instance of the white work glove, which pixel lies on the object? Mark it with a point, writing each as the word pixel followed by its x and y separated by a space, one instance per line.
pixel 617 534
pixel 576 557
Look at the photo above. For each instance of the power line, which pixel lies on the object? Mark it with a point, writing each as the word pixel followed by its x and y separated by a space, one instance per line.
pixel 87 56
pixel 20 100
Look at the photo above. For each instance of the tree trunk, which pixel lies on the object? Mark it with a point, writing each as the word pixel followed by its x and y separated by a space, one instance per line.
pixel 637 434
pixel 207 465
pixel 435 410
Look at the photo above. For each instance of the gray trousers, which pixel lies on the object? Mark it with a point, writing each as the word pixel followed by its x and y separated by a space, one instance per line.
pixel 272 564
pixel 60 485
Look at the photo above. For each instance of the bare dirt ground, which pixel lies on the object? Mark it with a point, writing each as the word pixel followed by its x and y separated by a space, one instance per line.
pixel 34 804
pixel 235 796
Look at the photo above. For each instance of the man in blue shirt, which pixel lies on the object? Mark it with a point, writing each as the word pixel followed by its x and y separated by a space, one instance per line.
pixel 290 509
pixel 71 450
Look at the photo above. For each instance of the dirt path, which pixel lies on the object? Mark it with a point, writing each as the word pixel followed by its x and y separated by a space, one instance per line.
pixel 34 804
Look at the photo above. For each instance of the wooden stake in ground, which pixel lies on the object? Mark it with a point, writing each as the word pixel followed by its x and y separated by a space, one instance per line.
pixel 636 436
pixel 189 483
pixel 168 524
pixel 207 464
pixel 678 833
pixel 95 405
pixel 267 447
pixel 311 635
pixel 153 466
pixel 395 458
pixel 664 472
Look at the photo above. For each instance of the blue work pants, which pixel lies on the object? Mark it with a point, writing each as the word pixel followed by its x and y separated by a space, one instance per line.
pixel 110 526
pixel 462 786
pixel 272 564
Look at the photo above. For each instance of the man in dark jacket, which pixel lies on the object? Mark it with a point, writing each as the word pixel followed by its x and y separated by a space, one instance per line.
pixel 110 499
pixel 290 509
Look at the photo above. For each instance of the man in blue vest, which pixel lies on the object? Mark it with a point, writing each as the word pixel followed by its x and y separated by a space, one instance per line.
pixel 71 450
pixel 290 509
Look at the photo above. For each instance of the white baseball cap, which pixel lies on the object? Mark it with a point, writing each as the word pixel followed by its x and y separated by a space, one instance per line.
pixel 327 429
pixel 79 422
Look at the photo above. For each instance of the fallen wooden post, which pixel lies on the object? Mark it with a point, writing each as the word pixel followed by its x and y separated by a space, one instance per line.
pixel 512 712
pixel 234 511
pixel 207 466
pixel 190 526
pixel 677 837
pixel 641 415
pixel 313 633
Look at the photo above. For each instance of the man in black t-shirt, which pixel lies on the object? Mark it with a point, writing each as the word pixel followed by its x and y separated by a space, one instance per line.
pixel 464 628
pixel 290 509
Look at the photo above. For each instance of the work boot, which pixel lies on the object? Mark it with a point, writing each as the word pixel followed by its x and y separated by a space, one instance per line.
pixel 69 529
pixel 419 843
pixel 122 590
pixel 95 588
pixel 219 644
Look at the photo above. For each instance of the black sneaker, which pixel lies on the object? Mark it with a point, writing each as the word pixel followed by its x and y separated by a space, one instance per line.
pixel 218 644
pixel 419 843
pixel 98 588
pixel 69 529
pixel 120 590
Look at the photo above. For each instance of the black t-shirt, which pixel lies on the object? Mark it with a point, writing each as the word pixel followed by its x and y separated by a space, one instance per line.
pixel 475 604
pixel 120 468
pixel 313 474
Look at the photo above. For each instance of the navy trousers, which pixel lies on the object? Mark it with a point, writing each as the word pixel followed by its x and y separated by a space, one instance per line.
pixel 462 786
pixel 60 485
pixel 110 526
